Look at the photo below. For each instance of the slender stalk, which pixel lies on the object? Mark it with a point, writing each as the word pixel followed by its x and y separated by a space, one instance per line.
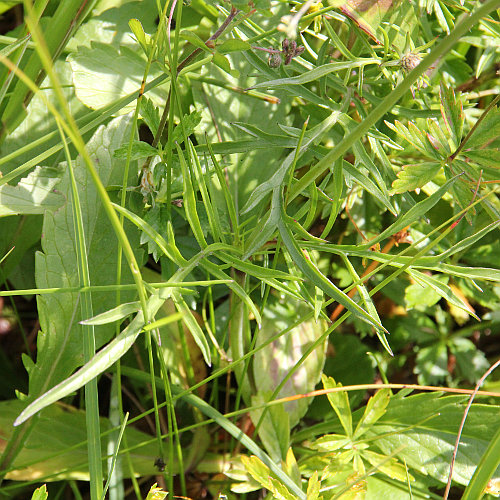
pixel 234 12
pixel 89 344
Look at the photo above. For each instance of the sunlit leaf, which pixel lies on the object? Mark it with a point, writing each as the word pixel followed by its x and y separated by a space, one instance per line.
pixel 35 194
pixel 285 353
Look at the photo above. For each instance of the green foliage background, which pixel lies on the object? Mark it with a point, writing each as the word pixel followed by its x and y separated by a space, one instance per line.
pixel 296 194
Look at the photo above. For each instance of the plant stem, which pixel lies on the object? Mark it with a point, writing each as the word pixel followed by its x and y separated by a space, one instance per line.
pixel 181 65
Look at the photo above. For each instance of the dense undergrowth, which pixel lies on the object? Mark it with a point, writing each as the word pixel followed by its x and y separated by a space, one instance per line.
pixel 216 216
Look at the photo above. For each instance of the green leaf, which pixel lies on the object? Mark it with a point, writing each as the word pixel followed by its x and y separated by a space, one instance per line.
pixel 368 303
pixel 11 47
pixel 115 314
pixel 331 442
pixel 442 289
pixel 368 17
pixel 379 191
pixel 411 177
pixel 252 166
pixel 432 364
pixel 141 37
pixel 486 158
pixel 190 199
pixel 487 132
pixel 259 272
pixel 150 114
pixel 105 358
pixel 194 40
pixel 194 327
pixel 110 23
pixel 157 218
pixel 103 74
pixel 313 487
pixel 112 352
pixel 274 429
pixel 156 493
pixel 232 285
pixel 418 295
pixel 261 473
pixel 188 126
pixel 437 137
pixel 426 438
pixel 35 194
pixel 452 112
pixel 140 149
pixel 374 410
pixel 387 466
pixel 272 183
pixel 471 362
pixel 40 493
pixel 276 180
pixel 415 212
pixel 233 45
pixel 340 403
pixel 222 62
pixel 264 231
pixel 167 248
pixel 65 454
pixel 416 138
pixel 19 236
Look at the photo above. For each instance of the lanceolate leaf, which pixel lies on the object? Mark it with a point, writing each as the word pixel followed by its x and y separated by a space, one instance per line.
pixel 115 314
pixel 100 362
pixel 193 326
pixel 314 275
pixel 111 353
pixel 316 73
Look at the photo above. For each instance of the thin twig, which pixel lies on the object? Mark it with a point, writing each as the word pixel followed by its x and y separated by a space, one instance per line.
pixel 462 423
pixel 234 12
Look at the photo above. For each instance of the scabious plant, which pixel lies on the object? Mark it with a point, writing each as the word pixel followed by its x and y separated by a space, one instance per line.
pixel 221 205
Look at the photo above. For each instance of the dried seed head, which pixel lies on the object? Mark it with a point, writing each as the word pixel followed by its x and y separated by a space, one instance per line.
pixel 274 60
pixel 410 61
